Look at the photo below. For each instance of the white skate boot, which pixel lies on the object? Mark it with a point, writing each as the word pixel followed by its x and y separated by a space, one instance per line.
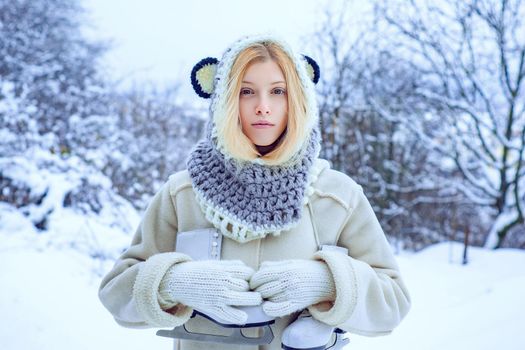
pixel 308 333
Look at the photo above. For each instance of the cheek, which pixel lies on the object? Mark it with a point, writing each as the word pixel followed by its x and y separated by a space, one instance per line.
pixel 283 109
pixel 243 112
pixel 284 105
pixel 283 122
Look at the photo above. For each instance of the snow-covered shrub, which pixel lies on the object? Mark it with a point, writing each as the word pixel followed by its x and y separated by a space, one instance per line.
pixel 69 201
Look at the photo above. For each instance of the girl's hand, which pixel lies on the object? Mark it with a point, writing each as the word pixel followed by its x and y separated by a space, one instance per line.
pixel 212 287
pixel 292 285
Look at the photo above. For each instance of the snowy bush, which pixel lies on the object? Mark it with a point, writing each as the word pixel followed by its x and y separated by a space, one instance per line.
pixel 68 200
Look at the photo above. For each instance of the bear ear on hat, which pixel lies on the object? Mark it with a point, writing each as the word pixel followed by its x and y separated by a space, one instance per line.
pixel 202 76
pixel 312 68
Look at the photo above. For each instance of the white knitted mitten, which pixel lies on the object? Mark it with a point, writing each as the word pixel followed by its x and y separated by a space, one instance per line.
pixel 211 287
pixel 292 285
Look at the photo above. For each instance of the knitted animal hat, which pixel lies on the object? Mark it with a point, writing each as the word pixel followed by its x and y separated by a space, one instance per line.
pixel 247 200
pixel 209 78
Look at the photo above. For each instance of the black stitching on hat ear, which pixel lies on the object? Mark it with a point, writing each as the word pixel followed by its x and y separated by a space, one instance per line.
pixel 197 86
pixel 315 68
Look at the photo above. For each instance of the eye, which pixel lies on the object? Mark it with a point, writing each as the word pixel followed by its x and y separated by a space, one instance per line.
pixel 245 91
pixel 279 91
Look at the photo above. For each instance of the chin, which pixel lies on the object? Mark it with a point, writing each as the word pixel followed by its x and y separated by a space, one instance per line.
pixel 263 142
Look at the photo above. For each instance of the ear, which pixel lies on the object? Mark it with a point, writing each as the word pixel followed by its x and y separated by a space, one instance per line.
pixel 202 76
pixel 312 68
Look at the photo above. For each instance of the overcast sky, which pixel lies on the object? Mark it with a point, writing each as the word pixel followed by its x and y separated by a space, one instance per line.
pixel 161 40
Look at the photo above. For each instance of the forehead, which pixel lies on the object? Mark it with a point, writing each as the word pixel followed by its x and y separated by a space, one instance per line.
pixel 262 72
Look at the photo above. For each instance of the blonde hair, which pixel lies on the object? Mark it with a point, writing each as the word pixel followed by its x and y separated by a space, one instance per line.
pixel 235 141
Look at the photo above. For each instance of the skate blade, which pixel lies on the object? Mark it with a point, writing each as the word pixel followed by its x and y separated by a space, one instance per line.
pixel 236 337
pixel 286 347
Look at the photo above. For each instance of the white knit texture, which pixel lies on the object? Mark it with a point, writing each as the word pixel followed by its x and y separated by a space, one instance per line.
pixel 346 284
pixel 211 287
pixel 145 291
pixel 292 285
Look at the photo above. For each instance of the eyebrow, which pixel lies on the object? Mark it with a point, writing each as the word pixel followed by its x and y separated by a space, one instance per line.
pixel 275 82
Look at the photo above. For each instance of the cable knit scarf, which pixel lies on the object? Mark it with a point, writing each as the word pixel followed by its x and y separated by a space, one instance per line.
pixel 251 200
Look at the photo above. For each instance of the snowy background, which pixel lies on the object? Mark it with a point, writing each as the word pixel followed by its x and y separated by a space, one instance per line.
pixel 51 298
pixel 416 104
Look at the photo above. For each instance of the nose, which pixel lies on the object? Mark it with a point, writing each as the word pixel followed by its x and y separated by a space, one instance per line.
pixel 262 108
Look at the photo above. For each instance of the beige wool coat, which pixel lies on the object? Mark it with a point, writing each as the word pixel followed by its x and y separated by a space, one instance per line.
pixel 371 298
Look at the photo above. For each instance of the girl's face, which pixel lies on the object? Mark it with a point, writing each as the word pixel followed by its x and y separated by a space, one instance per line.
pixel 263 103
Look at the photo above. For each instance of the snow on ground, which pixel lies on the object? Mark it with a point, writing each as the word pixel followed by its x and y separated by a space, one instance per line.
pixel 478 306
pixel 49 299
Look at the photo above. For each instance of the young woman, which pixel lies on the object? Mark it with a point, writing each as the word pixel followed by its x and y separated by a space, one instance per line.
pixel 257 180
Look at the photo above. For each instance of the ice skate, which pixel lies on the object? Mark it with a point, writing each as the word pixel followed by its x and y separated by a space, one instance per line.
pixel 307 333
pixel 256 318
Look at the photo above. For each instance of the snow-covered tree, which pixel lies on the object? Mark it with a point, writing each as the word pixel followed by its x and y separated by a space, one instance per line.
pixel 361 89
pixel 470 60
pixel 49 75
pixel 156 133
pixel 72 148
pixel 48 66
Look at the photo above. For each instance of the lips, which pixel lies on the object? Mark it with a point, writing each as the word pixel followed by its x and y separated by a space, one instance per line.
pixel 261 123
